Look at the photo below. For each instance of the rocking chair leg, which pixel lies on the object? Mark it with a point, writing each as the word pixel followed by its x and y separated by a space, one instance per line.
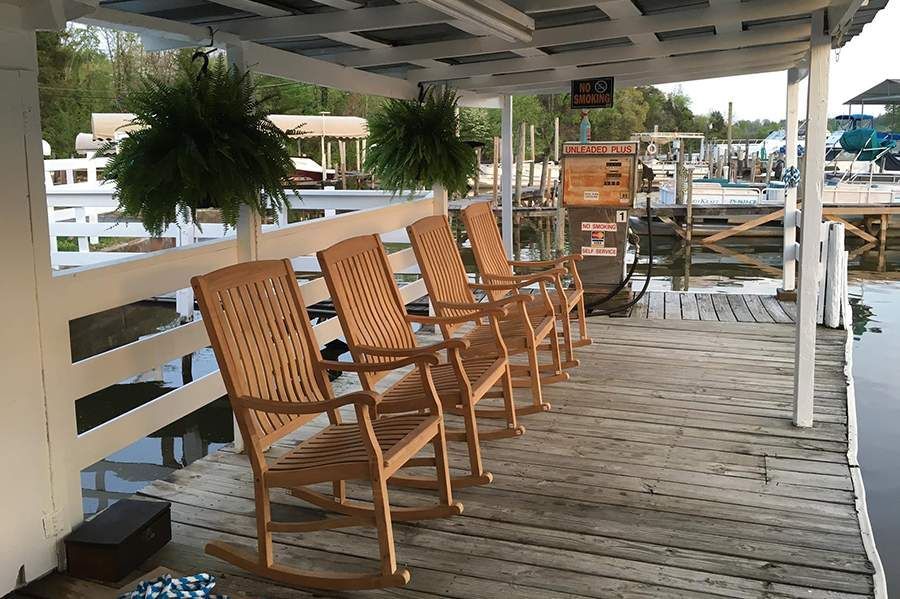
pixel 383 524
pixel 537 396
pixel 567 335
pixel 554 351
pixel 509 399
pixel 472 442
pixel 582 324
pixel 442 467
pixel 339 490
pixel 263 520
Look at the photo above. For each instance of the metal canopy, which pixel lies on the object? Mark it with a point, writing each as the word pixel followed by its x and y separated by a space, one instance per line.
pixel 388 47
pixel 886 92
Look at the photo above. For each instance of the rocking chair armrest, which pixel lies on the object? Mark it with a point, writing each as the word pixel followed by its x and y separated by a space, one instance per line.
pixel 549 276
pixel 408 352
pixel 425 359
pixel 367 399
pixel 546 263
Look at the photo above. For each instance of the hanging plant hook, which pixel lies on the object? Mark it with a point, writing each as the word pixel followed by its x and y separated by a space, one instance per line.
pixel 423 91
pixel 204 54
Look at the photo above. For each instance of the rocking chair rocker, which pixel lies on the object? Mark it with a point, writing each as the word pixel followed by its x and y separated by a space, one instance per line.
pixel 277 381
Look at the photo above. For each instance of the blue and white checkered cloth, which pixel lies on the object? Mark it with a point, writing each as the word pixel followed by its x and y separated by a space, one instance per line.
pixel 166 587
pixel 791 176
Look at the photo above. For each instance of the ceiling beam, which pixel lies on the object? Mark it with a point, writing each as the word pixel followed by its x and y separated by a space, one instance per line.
pixel 585 32
pixel 788 32
pixel 254 7
pixel 344 21
pixel 660 78
pixel 636 68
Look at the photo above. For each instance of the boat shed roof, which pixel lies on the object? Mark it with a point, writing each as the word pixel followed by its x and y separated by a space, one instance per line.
pixel 488 47
pixel 886 92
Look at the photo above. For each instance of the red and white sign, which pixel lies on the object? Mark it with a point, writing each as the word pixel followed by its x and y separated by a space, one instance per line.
pixel 585 226
pixel 599 251
pixel 601 147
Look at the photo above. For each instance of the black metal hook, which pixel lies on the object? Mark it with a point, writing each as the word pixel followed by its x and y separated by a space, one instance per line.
pixel 423 91
pixel 204 54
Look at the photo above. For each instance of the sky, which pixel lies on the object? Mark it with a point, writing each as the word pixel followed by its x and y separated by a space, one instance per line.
pixel 868 59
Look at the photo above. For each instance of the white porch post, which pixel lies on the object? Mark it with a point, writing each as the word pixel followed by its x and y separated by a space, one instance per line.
pixel 790 197
pixel 249 225
pixel 40 425
pixel 506 181
pixel 817 122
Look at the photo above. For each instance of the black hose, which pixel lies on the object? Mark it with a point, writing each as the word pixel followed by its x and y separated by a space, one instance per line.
pixel 643 290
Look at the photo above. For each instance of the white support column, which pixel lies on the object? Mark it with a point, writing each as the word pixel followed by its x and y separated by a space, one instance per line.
pixel 817 123
pixel 506 183
pixel 790 197
pixel 249 224
pixel 439 195
pixel 37 442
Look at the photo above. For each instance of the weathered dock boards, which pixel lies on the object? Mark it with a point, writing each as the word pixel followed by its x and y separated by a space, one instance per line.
pixel 725 307
pixel 667 468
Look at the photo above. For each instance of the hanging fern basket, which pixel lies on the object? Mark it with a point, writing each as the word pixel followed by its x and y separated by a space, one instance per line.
pixel 415 144
pixel 203 141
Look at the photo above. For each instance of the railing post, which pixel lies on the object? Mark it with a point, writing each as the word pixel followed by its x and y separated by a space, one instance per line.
pixel 439 197
pixel 817 115
pixel 789 255
pixel 506 185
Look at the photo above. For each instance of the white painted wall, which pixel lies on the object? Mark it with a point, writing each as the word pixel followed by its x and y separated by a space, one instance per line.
pixel 24 450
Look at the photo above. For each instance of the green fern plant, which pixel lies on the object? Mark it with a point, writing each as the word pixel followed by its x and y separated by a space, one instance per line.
pixel 415 145
pixel 203 142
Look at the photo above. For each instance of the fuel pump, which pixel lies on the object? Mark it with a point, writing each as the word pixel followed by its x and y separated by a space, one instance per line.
pixel 599 181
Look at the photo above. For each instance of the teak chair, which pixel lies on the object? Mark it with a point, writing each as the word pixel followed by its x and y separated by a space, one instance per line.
pixel 277 381
pixel 495 267
pixel 378 328
pixel 523 330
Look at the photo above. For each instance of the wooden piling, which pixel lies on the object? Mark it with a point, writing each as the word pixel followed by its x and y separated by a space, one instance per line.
pixel 520 158
pixel 496 181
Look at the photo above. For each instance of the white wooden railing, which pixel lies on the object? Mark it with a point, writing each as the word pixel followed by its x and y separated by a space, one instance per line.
pixel 85 290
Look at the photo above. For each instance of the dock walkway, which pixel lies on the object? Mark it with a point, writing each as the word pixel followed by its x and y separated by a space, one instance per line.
pixel 668 468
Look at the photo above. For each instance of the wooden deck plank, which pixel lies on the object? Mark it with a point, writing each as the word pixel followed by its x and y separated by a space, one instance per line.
pixel 773 307
pixel 668 467
pixel 672 303
pixel 723 308
pixel 656 305
pixel 705 307
pixel 738 305
pixel 754 303
pixel 690 310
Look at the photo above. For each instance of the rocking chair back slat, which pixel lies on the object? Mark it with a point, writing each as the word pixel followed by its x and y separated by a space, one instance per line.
pixel 490 257
pixel 263 342
pixel 442 266
pixel 360 279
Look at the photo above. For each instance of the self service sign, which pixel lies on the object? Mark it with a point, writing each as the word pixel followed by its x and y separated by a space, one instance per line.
pixel 592 93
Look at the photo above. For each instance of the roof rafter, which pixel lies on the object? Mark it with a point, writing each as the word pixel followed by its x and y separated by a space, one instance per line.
pixel 584 32
pixel 636 68
pixel 770 35
pixel 344 21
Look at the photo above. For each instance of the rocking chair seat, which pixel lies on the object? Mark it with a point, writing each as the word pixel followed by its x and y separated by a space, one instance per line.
pixel 481 372
pixel 341 447
pixel 572 297
pixel 512 328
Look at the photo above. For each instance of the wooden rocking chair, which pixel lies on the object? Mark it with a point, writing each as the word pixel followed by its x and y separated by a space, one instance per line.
pixel 495 267
pixel 378 329
pixel 277 381
pixel 523 329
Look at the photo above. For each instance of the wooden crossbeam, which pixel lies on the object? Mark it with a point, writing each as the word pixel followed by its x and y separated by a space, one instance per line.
pixel 750 224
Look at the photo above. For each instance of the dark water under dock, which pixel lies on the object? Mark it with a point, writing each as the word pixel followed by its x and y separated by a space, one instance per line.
pixel 752 266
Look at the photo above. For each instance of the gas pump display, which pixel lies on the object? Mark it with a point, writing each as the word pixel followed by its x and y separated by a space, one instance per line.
pixel 598 186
